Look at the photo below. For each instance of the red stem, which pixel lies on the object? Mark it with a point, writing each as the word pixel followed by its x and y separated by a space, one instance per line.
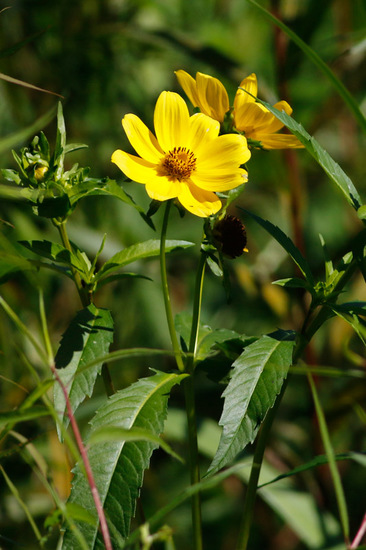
pixel 85 459
pixel 360 534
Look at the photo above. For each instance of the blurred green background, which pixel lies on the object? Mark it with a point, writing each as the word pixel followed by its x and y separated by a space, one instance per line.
pixel 108 58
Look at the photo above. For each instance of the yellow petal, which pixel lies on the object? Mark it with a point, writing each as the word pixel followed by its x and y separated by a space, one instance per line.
pixel 171 121
pixel 273 123
pixel 199 202
pixel 213 98
pixel 202 130
pixel 228 149
pixel 250 116
pixel 135 168
pixel 188 84
pixel 219 180
pixel 279 141
pixel 250 85
pixel 141 139
pixel 163 189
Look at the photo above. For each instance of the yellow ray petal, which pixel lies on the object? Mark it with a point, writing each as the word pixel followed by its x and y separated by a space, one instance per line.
pixel 219 180
pixel 188 84
pixel 199 202
pixel 202 130
pixel 212 96
pixel 249 116
pixel 250 85
pixel 163 189
pixel 171 121
pixel 273 124
pixel 227 149
pixel 279 141
pixel 141 139
pixel 135 168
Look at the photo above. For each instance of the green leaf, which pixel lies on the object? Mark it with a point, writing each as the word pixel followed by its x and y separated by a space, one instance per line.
pixel 286 244
pixel 256 380
pixel 314 57
pixel 118 277
pixel 292 282
pixel 114 433
pixel 59 154
pixel 8 142
pixel 106 186
pixel 11 263
pixel 88 337
pixel 57 253
pixel 320 460
pixel 330 167
pixel 136 252
pixel 118 466
pixel 14 417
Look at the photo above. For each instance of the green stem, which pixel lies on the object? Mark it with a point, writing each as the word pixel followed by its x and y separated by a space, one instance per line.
pixel 85 299
pixel 341 501
pixel 189 381
pixel 311 324
pixel 255 471
pixel 165 287
pixel 191 406
pixel 76 275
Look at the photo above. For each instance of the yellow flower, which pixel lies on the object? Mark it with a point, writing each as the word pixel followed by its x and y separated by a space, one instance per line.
pixel 257 122
pixel 187 159
pixel 206 92
pixel 250 117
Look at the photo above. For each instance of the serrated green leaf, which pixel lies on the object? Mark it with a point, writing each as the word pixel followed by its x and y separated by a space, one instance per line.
pixel 286 244
pixel 114 433
pixel 330 167
pixel 55 252
pixel 136 252
pixel 256 380
pixel 118 466
pixel 88 336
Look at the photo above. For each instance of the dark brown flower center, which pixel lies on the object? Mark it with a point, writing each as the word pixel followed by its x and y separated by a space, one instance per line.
pixel 179 163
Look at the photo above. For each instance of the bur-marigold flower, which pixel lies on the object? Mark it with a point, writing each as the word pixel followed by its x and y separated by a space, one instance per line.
pixel 206 92
pixel 257 122
pixel 187 159
pixel 253 119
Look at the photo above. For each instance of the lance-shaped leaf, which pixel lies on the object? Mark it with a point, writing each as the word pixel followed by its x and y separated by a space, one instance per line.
pixel 286 244
pixel 330 167
pixel 118 466
pixel 87 338
pixel 136 252
pixel 256 380
pixel 57 253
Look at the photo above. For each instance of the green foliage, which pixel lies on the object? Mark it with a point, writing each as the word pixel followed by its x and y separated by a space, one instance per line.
pixel 119 465
pixel 319 301
pixel 256 380
pixel 88 337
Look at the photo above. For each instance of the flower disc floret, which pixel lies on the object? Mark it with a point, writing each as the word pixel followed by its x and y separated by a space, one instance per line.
pixel 186 159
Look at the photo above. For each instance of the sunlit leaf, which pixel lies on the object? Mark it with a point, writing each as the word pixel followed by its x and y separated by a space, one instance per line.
pixel 136 252
pixel 286 243
pixel 119 466
pixel 55 252
pixel 256 380
pixel 88 337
